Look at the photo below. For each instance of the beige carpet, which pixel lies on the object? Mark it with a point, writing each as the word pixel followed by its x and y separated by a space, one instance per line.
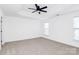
pixel 37 46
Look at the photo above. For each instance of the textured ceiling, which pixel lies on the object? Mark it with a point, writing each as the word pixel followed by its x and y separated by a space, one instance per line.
pixel 21 10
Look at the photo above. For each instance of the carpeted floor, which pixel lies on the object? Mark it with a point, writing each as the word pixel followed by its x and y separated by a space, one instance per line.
pixel 37 46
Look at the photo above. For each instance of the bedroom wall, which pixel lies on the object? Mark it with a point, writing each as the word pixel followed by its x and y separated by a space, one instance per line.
pixel 60 29
pixel 19 29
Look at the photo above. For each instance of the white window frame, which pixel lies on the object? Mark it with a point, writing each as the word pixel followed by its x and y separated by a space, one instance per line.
pixel 76 28
pixel 46 28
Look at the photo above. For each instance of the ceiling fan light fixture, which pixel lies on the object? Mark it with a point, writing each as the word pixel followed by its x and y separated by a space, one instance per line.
pixel 38 8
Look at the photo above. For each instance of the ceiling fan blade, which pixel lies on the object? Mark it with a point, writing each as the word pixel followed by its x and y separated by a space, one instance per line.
pixel 36 5
pixel 34 11
pixel 43 11
pixel 43 7
pixel 32 8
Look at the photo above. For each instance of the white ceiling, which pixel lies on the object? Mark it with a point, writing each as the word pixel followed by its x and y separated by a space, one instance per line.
pixel 21 10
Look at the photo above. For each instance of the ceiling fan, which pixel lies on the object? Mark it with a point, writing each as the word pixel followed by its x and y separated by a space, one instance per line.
pixel 39 9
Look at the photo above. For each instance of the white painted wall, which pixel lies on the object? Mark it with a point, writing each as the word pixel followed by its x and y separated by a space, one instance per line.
pixel 19 29
pixel 60 29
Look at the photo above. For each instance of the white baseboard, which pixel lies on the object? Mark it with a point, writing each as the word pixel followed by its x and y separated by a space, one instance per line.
pixel 23 39
pixel 47 37
pixel 64 42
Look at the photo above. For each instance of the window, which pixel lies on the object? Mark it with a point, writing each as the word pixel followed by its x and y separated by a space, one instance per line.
pixel 46 28
pixel 76 28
